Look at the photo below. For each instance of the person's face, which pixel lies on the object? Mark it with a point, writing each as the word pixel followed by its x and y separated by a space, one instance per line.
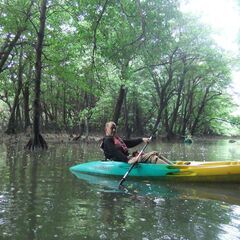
pixel 111 129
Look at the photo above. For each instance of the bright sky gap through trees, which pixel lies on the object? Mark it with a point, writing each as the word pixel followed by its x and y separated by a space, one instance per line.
pixel 224 18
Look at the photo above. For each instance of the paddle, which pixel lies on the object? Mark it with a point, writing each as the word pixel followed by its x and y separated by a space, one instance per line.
pixel 139 154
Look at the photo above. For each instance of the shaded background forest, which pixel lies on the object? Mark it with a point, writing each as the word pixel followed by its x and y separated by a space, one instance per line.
pixel 138 63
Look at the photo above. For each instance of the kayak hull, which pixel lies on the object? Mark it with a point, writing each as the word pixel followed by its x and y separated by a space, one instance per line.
pixel 180 171
pixel 113 168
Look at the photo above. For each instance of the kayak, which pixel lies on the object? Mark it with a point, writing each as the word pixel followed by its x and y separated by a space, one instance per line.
pixel 217 171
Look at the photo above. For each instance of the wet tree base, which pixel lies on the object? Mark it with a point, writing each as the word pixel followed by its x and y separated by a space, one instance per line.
pixel 36 143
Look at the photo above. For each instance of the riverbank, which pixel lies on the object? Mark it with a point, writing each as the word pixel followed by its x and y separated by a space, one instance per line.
pixel 23 138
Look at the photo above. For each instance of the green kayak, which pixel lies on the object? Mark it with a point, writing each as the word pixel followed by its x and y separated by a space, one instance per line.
pixel 225 171
pixel 113 168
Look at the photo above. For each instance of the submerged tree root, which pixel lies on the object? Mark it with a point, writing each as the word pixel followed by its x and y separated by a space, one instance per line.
pixel 36 142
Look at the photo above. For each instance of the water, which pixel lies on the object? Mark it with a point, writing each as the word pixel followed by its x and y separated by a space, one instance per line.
pixel 41 199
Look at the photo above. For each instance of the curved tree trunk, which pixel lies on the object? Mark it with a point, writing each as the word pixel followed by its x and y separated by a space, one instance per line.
pixel 37 141
pixel 10 47
pixel 12 123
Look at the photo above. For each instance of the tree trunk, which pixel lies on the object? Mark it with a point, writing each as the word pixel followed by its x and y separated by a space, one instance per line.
pixel 138 119
pixel 200 111
pixel 26 94
pixel 26 110
pixel 9 49
pixel 170 134
pixel 163 88
pixel 177 104
pixel 64 108
pixel 119 103
pixel 19 122
pixel 38 141
pixel 87 127
pixel 12 123
pixel 187 112
pixel 46 120
pixel 126 122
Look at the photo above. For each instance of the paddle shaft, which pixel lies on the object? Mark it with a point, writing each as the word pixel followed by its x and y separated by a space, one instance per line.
pixel 130 169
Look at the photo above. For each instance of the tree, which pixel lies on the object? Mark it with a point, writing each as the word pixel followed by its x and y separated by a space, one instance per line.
pixel 38 141
pixel 19 24
pixel 140 63
pixel 12 124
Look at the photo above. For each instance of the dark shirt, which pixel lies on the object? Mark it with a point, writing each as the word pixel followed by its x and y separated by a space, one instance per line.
pixel 113 153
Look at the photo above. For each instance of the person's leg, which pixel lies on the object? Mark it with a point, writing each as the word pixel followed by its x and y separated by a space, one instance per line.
pixel 144 158
pixel 164 159
pixel 151 157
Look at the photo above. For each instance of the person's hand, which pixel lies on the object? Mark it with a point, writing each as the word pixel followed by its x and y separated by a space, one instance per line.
pixel 133 160
pixel 146 140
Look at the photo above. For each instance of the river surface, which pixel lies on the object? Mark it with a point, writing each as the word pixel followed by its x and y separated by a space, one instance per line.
pixel 40 199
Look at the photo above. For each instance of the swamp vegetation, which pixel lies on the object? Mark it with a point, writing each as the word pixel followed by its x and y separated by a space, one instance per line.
pixel 73 65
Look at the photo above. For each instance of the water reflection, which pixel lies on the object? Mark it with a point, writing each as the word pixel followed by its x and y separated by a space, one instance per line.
pixel 226 192
pixel 201 150
pixel 41 199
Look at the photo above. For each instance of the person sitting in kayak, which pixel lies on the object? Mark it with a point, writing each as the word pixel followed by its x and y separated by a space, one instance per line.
pixel 116 149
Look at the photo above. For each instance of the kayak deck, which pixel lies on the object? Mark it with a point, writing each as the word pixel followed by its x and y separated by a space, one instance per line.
pixel 179 171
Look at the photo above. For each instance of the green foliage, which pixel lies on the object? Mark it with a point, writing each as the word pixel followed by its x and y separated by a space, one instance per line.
pixel 12 16
pixel 166 61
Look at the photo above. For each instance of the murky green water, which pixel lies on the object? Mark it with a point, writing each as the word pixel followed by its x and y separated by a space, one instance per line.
pixel 41 199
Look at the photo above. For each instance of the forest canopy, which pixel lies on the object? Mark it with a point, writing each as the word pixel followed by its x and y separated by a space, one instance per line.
pixel 138 63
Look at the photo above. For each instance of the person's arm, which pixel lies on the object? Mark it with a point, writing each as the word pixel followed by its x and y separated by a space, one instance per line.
pixel 134 142
pixel 111 150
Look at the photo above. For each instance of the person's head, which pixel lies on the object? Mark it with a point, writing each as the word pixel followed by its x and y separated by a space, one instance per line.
pixel 110 128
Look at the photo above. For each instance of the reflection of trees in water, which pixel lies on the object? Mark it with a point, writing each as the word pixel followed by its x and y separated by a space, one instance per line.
pixel 31 210
pixel 122 215
pixel 174 219
pixel 137 216
pixel 14 191
pixel 110 213
pixel 200 150
pixel 234 151
pixel 38 191
pixel 190 219
pixel 21 190
pixel 168 213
